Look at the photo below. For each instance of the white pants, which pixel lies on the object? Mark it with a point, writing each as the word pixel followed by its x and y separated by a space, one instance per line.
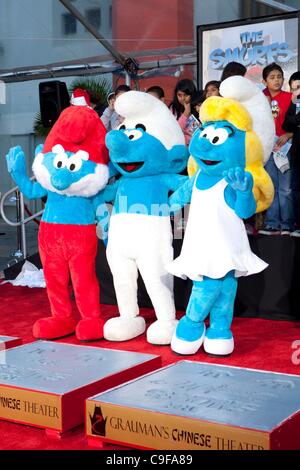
pixel 144 243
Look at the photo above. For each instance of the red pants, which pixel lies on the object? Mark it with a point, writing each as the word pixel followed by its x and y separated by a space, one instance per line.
pixel 65 250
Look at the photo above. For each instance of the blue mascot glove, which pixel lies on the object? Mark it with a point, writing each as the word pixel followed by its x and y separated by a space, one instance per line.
pixel 38 149
pixel 16 161
pixel 239 179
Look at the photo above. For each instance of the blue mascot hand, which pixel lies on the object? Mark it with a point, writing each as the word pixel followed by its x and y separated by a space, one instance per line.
pixel 16 161
pixel 38 149
pixel 239 179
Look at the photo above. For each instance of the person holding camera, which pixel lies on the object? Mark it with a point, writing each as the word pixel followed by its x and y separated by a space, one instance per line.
pixel 110 117
pixel 292 124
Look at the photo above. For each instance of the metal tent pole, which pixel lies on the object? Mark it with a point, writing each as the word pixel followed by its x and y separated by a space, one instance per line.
pixel 129 64
pixel 278 5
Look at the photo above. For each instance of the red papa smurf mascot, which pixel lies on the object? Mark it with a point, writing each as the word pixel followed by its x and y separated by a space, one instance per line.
pixel 71 169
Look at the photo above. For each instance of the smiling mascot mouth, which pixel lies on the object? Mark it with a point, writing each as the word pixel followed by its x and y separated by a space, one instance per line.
pixel 131 166
pixel 211 162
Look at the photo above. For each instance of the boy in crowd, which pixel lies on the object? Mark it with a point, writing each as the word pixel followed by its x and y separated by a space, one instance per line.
pixel 292 124
pixel 233 68
pixel 157 91
pixel 279 217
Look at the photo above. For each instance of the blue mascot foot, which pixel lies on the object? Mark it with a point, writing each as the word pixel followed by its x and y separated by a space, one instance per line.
pixel 188 336
pixel 218 342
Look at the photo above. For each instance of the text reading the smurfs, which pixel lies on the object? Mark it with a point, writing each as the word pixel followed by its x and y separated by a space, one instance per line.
pixel 154 459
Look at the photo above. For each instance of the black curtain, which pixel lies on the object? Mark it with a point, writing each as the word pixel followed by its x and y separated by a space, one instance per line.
pixel 274 293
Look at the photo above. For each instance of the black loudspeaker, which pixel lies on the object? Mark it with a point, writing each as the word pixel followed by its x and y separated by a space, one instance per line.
pixel 54 97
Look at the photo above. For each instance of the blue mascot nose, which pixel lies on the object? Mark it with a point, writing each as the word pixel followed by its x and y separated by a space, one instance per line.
pixel 62 179
pixel 117 142
pixel 199 146
pixel 204 145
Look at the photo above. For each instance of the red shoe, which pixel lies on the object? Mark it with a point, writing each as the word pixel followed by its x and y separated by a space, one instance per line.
pixel 90 329
pixel 53 327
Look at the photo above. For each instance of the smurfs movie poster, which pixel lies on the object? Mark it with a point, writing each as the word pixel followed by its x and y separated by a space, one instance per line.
pixel 253 45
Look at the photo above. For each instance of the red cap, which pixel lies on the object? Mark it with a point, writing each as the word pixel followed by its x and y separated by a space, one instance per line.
pixel 79 128
pixel 80 97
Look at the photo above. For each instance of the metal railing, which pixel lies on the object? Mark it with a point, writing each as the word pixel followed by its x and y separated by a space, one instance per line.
pixel 21 221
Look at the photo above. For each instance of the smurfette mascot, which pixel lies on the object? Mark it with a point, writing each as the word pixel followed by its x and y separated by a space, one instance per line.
pixel 70 169
pixel 148 151
pixel 230 185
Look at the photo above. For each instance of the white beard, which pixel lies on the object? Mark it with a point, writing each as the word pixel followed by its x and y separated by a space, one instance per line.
pixel 87 186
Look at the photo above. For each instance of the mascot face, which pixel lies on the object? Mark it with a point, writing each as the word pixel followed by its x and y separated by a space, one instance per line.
pixel 149 141
pixel 136 153
pixel 218 146
pixel 66 168
pixel 69 173
pixel 73 160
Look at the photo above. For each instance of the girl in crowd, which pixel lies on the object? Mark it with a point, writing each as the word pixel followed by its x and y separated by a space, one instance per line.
pixel 212 89
pixel 180 105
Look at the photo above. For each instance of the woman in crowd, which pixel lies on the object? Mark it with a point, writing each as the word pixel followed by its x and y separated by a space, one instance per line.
pixel 181 106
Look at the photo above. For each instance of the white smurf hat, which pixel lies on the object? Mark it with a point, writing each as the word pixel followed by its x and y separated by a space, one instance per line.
pixel 138 107
pixel 252 98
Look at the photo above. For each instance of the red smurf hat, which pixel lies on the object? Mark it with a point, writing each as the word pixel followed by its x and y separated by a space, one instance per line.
pixel 79 128
pixel 80 97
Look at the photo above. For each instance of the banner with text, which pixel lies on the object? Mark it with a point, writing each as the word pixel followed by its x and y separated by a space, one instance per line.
pixel 254 44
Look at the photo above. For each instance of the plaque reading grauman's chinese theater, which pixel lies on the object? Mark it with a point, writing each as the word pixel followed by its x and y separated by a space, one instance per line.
pixel 45 383
pixel 194 405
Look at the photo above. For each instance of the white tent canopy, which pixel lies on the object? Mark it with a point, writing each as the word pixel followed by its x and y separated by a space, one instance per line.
pixel 21 25
pixel 147 60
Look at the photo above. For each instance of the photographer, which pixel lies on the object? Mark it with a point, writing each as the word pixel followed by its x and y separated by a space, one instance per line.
pixel 110 118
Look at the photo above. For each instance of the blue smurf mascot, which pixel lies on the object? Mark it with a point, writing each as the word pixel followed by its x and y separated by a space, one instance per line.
pixel 231 184
pixel 148 151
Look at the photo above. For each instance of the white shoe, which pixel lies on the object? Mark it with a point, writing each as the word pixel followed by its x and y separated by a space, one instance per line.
pixel 295 233
pixel 123 329
pixel 218 347
pixel 269 231
pixel 161 332
pixel 181 346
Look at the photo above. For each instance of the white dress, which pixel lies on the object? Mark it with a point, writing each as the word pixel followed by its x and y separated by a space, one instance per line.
pixel 215 240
